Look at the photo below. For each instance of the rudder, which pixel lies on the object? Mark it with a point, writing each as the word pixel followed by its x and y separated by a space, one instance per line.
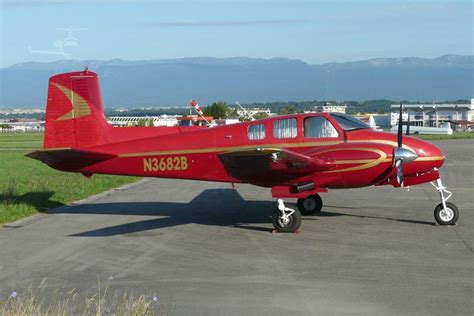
pixel 74 111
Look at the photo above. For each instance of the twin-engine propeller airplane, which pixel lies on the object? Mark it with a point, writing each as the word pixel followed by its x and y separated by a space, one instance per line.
pixel 297 156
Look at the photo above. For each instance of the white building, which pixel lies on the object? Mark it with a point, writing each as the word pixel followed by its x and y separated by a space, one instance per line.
pixel 433 115
pixel 29 126
pixel 163 120
pixel 252 111
pixel 220 122
pixel 328 107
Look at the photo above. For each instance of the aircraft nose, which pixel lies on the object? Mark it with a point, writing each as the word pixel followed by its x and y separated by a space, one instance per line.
pixel 430 153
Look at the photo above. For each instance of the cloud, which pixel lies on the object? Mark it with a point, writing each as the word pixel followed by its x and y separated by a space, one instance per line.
pixel 194 23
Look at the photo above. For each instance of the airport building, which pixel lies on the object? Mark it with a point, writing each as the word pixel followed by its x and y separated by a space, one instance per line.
pixel 252 111
pixel 328 107
pixel 460 116
pixel 21 126
pixel 124 121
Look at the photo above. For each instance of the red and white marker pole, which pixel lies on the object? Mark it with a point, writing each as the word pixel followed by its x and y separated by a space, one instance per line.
pixel 197 108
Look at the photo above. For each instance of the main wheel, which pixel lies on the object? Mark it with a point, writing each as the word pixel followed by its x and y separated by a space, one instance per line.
pixel 446 217
pixel 310 205
pixel 289 225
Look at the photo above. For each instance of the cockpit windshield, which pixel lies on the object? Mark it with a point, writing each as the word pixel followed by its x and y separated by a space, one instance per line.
pixel 349 123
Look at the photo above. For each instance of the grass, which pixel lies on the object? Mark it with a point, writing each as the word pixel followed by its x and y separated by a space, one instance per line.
pixel 36 301
pixel 455 135
pixel 28 186
pixel 21 140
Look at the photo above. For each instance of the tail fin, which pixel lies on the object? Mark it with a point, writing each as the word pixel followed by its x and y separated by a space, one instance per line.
pixel 74 111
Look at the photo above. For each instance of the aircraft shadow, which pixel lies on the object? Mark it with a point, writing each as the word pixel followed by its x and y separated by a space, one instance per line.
pixel 213 207
pixel 39 200
pixel 328 214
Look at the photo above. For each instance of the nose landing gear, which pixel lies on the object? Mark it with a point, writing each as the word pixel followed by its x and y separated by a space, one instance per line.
pixel 288 220
pixel 445 213
pixel 285 219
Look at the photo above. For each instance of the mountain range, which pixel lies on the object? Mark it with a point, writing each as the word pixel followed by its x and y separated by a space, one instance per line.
pixel 173 82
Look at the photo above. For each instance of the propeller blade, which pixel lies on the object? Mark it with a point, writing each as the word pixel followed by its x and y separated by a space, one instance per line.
pixel 400 127
pixel 399 166
pixel 408 125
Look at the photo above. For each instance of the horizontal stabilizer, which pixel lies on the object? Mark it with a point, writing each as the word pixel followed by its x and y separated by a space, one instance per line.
pixel 69 159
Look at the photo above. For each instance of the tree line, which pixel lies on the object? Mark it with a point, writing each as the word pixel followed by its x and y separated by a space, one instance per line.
pixel 222 110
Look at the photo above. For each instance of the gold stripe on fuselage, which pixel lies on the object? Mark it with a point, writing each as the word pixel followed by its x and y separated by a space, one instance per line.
pixel 369 162
pixel 229 148
pixel 366 163
pixel 340 162
pixel 236 148
pixel 433 158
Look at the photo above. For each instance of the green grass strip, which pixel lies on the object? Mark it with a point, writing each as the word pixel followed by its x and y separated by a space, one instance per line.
pixel 28 186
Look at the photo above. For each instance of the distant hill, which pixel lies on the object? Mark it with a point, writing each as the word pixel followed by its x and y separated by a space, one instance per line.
pixel 172 82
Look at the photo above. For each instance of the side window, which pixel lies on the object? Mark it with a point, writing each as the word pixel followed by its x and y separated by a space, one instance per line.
pixel 256 132
pixel 318 126
pixel 285 128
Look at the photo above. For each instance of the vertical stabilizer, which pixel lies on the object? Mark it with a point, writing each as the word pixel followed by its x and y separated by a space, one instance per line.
pixel 74 111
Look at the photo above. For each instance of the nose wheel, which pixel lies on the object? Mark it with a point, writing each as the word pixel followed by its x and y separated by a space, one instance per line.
pixel 446 216
pixel 285 219
pixel 445 213
pixel 310 205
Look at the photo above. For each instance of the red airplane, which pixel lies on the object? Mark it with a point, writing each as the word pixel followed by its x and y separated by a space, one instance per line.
pixel 297 156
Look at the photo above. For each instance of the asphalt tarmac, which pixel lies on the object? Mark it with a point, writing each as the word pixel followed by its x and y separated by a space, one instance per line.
pixel 205 249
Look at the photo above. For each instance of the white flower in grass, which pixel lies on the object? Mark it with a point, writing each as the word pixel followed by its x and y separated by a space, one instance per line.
pixel 155 299
pixel 13 294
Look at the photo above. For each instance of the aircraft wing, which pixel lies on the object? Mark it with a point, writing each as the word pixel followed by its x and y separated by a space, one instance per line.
pixel 276 163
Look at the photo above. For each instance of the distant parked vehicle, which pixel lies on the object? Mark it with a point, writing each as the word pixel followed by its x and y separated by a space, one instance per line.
pixel 445 129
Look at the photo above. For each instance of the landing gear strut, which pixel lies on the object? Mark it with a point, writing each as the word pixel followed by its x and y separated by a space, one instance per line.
pixel 285 219
pixel 445 213
pixel 310 205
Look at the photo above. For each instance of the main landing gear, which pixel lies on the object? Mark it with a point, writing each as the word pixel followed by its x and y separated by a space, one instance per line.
pixel 310 205
pixel 445 213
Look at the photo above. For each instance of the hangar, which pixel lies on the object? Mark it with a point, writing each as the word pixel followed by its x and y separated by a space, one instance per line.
pixel 433 115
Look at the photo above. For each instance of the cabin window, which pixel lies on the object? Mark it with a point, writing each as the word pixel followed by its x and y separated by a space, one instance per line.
pixel 256 132
pixel 285 128
pixel 319 127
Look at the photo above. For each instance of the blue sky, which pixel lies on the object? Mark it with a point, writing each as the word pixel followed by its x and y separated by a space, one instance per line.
pixel 313 31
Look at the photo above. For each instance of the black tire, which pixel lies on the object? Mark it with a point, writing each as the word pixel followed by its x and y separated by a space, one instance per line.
pixel 310 205
pixel 446 218
pixel 291 227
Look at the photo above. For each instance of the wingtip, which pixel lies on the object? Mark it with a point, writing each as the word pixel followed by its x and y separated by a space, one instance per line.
pixel 32 154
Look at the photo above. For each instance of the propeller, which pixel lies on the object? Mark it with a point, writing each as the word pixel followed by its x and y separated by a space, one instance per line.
pixel 400 127
pixel 408 126
pixel 402 155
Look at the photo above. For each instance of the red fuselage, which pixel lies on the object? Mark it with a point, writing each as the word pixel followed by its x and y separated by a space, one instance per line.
pixel 361 157
pixel 297 156
pixel 313 151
